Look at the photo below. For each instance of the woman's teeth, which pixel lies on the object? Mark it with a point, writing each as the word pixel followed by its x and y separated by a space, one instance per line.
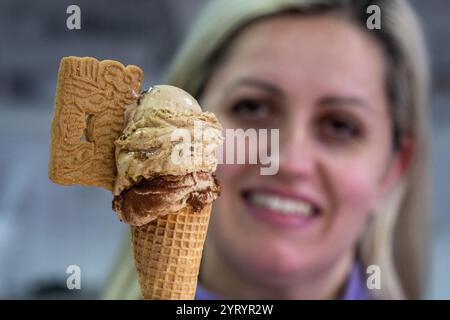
pixel 280 204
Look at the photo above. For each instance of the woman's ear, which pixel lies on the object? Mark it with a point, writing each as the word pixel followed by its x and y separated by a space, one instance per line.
pixel 398 165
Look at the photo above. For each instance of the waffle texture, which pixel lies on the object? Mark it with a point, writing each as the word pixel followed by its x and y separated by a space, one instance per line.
pixel 167 254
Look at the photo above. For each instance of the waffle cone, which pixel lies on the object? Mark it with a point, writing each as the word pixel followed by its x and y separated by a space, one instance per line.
pixel 167 254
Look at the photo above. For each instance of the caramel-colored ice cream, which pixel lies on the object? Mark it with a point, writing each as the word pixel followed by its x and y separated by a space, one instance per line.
pixel 157 172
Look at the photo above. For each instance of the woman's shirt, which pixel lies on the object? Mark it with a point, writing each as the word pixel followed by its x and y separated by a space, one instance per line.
pixel 355 288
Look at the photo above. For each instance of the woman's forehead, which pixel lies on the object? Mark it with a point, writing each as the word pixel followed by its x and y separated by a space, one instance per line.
pixel 306 50
pixel 306 40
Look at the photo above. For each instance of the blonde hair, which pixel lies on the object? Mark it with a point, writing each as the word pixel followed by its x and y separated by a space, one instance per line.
pixel 395 239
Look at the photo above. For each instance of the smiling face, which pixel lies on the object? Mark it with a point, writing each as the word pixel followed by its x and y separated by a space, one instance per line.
pixel 320 80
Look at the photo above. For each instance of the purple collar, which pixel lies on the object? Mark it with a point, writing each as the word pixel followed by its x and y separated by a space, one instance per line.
pixel 355 288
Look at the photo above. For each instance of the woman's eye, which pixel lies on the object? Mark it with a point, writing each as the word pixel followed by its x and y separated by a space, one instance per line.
pixel 339 129
pixel 250 110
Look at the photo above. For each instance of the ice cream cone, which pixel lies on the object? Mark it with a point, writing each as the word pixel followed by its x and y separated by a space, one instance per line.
pixel 167 253
pixel 138 131
pixel 167 202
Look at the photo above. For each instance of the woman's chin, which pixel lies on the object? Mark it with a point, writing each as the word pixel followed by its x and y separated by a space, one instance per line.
pixel 281 273
pixel 278 260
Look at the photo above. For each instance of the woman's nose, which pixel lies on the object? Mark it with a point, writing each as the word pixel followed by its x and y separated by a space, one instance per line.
pixel 297 156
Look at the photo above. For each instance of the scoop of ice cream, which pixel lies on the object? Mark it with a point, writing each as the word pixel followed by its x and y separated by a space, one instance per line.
pixel 165 97
pixel 165 157
pixel 165 133
pixel 149 199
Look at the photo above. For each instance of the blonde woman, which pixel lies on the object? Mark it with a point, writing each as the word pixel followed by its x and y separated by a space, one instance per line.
pixel 350 105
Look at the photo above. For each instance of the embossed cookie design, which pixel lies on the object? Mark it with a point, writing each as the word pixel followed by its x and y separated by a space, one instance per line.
pixel 90 102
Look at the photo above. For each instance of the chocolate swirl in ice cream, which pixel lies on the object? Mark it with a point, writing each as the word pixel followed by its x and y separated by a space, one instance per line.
pixel 149 183
pixel 149 199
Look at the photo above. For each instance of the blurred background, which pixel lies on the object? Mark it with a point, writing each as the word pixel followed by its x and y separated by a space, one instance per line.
pixel 44 228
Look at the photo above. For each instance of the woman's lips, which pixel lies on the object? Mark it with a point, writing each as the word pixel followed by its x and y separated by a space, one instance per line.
pixel 281 209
